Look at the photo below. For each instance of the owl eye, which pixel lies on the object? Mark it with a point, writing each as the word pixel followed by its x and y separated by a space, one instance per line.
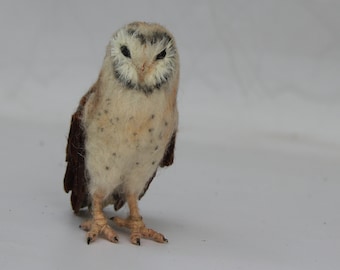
pixel 161 55
pixel 125 51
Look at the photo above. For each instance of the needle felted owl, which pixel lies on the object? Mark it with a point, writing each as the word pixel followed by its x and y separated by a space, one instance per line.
pixel 124 129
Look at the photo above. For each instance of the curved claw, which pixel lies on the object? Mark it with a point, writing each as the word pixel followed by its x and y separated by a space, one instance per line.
pixel 89 239
pixel 137 242
pixel 114 239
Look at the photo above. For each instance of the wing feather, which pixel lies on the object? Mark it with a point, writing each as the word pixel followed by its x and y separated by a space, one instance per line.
pixel 169 154
pixel 76 179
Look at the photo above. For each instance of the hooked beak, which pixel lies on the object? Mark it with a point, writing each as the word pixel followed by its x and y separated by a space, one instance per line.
pixel 142 67
pixel 141 72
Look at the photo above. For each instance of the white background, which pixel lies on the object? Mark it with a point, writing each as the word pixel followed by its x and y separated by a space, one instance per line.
pixel 255 183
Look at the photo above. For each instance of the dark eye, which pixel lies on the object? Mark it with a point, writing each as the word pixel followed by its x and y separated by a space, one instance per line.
pixel 125 51
pixel 161 55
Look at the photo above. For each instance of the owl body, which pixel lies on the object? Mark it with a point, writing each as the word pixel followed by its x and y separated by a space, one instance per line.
pixel 125 126
pixel 127 135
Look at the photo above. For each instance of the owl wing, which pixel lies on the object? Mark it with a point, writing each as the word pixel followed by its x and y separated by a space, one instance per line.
pixel 169 153
pixel 75 179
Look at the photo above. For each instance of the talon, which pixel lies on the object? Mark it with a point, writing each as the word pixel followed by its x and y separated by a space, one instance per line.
pixel 89 239
pixel 115 240
pixel 138 242
pixel 165 240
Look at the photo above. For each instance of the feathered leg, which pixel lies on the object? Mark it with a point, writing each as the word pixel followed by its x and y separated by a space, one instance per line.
pixel 136 225
pixel 98 224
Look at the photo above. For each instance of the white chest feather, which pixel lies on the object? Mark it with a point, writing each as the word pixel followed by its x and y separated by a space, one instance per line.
pixel 126 136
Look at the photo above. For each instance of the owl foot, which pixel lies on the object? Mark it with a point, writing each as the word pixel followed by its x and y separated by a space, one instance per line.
pixel 98 227
pixel 138 230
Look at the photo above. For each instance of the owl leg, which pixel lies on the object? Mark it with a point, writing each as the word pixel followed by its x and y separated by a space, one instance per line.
pixel 136 225
pixel 98 224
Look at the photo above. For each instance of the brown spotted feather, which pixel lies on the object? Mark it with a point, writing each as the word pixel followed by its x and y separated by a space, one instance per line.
pixel 167 160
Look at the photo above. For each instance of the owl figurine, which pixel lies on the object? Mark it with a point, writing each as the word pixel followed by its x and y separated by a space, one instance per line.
pixel 124 129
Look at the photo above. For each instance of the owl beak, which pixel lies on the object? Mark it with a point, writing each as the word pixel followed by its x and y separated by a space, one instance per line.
pixel 142 72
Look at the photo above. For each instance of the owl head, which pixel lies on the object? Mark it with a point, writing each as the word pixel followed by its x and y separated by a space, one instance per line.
pixel 144 56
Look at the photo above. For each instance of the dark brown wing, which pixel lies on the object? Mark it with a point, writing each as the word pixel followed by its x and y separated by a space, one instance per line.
pixel 169 154
pixel 74 179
